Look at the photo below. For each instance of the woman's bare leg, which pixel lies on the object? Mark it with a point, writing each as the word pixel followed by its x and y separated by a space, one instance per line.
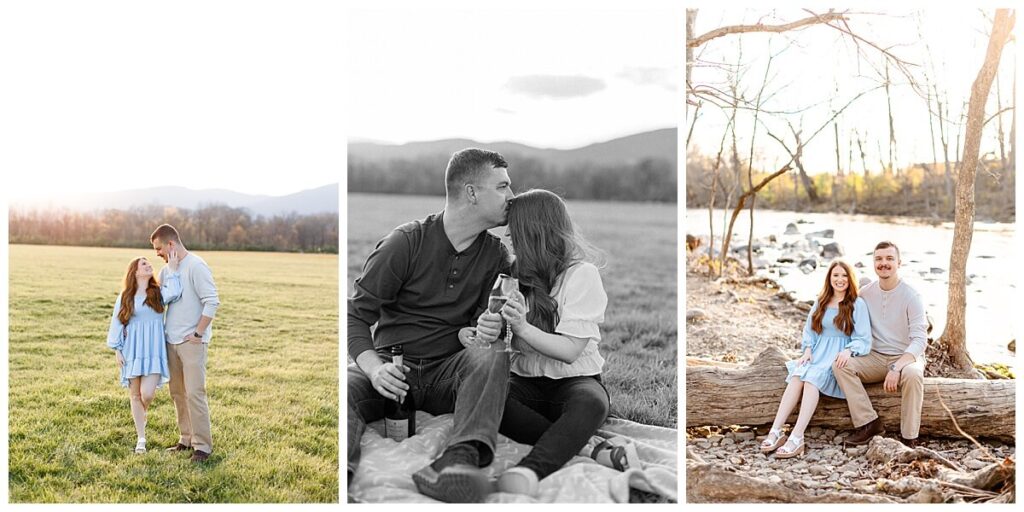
pixel 148 389
pixel 138 407
pixel 789 399
pixel 807 407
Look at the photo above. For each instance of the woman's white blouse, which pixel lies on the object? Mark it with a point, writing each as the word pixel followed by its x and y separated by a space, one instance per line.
pixel 581 301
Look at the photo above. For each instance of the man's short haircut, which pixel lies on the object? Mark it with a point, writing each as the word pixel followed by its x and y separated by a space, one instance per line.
pixel 468 166
pixel 166 233
pixel 885 244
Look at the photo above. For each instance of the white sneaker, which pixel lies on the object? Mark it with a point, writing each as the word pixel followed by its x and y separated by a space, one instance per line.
pixel 140 446
pixel 518 480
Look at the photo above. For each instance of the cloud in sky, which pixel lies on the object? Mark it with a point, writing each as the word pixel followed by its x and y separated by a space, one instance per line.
pixel 662 77
pixel 555 86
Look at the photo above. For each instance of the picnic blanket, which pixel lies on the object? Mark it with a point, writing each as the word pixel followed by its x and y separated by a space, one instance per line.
pixel 386 467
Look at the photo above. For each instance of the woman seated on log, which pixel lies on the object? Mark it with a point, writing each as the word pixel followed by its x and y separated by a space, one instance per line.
pixel 837 328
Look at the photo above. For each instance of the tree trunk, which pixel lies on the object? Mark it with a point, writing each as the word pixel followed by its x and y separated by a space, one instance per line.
pixel 853 176
pixel 1000 134
pixel 711 203
pixel 739 207
pixel 864 168
pixel 943 110
pixel 863 156
pixel 751 395
pixel 1013 132
pixel 1012 182
pixel 951 350
pixel 750 168
pixel 892 126
pixel 837 180
pixel 935 156
pixel 812 194
pixel 735 162
pixel 691 21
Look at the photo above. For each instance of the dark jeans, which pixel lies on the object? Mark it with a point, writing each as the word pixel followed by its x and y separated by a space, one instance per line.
pixel 556 416
pixel 472 383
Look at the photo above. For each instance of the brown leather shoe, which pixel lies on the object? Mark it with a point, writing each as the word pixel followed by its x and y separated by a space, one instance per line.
pixel 200 456
pixel 178 447
pixel 910 443
pixel 864 434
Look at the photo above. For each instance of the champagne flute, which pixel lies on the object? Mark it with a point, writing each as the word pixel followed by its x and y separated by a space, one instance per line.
pixel 496 300
pixel 508 286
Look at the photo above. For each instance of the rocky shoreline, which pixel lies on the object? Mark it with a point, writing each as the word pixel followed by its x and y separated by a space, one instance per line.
pixel 732 320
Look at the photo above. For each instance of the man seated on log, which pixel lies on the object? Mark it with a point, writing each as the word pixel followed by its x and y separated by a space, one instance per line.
pixel 898 331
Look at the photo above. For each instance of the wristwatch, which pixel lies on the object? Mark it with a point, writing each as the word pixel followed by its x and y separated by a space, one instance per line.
pixel 892 367
pixel 200 336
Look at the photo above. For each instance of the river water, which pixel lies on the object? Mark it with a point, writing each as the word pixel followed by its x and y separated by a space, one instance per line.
pixel 924 249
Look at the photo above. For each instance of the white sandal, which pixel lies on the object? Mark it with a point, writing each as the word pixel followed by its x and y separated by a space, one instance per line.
pixel 773 441
pixel 796 446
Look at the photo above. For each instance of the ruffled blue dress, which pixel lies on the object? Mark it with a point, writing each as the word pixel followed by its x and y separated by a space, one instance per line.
pixel 825 346
pixel 142 342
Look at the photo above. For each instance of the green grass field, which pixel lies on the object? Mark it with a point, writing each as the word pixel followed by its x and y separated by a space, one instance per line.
pixel 271 379
pixel 640 331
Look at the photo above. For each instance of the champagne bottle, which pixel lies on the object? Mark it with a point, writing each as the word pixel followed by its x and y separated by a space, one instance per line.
pixel 400 415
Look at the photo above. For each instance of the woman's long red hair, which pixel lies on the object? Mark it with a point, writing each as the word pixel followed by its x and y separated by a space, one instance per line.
pixel 844 320
pixel 131 287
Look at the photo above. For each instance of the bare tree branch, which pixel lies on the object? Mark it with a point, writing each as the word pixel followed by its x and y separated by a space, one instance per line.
pixel 997 114
pixel 817 19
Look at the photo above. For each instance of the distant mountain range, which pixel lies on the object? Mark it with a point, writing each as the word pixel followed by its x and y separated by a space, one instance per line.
pixel 657 144
pixel 316 200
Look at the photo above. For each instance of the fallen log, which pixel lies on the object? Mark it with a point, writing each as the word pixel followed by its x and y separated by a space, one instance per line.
pixel 694 361
pixel 750 396
pixel 712 483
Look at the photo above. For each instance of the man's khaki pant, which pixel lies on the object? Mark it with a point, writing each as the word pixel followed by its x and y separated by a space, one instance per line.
pixel 873 368
pixel 187 364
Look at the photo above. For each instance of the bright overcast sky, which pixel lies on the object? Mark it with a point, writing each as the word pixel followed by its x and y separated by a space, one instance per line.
pixel 101 96
pixel 808 73
pixel 550 74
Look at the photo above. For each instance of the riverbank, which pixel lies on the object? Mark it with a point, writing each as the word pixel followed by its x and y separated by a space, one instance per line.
pixel 795 250
pixel 732 320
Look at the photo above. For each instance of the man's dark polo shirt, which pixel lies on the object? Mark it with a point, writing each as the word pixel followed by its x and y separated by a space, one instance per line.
pixel 420 292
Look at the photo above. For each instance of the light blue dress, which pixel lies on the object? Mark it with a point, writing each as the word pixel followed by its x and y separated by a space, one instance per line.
pixel 142 341
pixel 825 346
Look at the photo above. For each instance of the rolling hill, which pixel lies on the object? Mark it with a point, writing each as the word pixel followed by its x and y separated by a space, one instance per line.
pixel 317 200
pixel 657 144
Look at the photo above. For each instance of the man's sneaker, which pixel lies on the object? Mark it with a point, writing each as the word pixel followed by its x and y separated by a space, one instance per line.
pixel 458 483
pixel 864 434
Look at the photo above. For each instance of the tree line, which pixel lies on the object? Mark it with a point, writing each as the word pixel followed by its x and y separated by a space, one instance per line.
pixel 917 191
pixel 213 227
pixel 650 179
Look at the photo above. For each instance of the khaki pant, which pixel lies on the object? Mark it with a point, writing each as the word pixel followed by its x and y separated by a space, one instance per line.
pixel 873 368
pixel 187 363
